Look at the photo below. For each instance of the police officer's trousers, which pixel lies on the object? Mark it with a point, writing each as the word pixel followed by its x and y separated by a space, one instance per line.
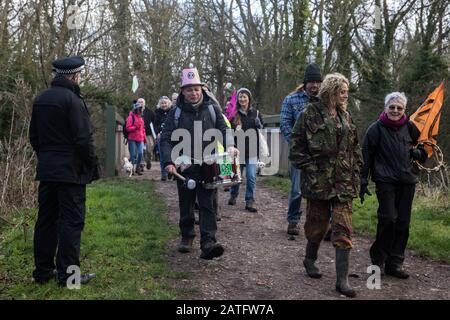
pixel 58 228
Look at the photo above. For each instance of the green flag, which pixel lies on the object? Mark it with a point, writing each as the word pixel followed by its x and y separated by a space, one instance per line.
pixel 135 85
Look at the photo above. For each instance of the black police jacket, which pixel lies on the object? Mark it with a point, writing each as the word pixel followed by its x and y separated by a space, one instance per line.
pixel 186 121
pixel 61 135
pixel 387 156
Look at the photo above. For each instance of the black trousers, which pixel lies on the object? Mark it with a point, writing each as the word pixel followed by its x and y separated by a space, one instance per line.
pixel 207 216
pixel 58 228
pixel 394 216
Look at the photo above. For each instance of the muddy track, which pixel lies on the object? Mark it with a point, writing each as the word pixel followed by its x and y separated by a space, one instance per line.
pixel 260 262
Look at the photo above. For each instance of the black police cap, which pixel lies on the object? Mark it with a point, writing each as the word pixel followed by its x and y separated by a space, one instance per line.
pixel 68 65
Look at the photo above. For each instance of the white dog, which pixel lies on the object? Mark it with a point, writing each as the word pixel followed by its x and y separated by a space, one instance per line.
pixel 128 166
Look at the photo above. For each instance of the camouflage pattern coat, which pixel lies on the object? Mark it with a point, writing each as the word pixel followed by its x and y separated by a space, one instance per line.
pixel 327 151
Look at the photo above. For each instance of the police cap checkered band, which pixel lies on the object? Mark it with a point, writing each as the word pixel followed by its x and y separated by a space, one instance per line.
pixel 68 65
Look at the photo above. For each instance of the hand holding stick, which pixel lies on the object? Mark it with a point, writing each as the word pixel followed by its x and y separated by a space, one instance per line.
pixel 190 184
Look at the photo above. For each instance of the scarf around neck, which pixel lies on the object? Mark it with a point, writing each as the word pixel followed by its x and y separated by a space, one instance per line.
pixel 394 125
pixel 198 104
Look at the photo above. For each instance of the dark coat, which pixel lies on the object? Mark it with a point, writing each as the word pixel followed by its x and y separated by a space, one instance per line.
pixel 149 117
pixel 186 121
pixel 160 118
pixel 387 154
pixel 250 120
pixel 61 135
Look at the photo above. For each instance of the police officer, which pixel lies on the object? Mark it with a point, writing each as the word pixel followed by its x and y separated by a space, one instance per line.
pixel 194 104
pixel 61 136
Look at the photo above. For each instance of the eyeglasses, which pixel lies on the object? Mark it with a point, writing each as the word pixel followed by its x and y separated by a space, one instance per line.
pixel 398 108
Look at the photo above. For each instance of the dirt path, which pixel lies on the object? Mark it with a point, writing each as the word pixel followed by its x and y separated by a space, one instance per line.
pixel 261 263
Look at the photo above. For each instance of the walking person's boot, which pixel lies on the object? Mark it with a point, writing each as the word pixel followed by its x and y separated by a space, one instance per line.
pixel 232 200
pixel 293 229
pixel 342 264
pixel 396 271
pixel 185 245
pixel 139 170
pixel 211 249
pixel 134 170
pixel 310 259
pixel 251 206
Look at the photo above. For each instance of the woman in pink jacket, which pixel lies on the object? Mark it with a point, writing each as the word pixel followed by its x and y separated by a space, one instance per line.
pixel 136 136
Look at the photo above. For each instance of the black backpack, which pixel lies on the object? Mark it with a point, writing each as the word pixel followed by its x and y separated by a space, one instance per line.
pixel 124 129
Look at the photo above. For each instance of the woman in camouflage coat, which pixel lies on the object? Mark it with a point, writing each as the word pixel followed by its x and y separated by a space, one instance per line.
pixel 324 145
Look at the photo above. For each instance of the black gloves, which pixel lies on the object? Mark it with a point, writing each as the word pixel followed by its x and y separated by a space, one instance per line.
pixel 363 191
pixel 415 153
pixel 418 154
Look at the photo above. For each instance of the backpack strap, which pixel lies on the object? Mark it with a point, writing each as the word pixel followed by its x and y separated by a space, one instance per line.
pixel 212 112
pixel 177 116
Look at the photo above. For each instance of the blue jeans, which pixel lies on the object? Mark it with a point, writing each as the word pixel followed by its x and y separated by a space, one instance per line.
pixel 136 150
pixel 161 163
pixel 295 196
pixel 250 167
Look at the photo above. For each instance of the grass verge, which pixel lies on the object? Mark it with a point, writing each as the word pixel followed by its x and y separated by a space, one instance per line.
pixel 123 242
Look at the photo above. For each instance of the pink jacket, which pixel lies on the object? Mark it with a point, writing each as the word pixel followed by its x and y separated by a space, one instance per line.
pixel 136 130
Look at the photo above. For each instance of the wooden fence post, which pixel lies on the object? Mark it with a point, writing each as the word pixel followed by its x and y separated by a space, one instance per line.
pixel 110 115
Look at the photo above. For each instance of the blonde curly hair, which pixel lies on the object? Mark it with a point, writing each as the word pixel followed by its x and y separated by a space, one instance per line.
pixel 330 87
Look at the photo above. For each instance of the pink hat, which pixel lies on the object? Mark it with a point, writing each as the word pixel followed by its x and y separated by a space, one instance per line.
pixel 190 78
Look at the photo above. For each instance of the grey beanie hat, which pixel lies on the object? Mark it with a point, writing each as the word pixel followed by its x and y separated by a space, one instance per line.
pixel 245 90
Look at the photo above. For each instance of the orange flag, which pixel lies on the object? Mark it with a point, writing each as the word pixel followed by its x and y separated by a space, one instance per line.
pixel 427 117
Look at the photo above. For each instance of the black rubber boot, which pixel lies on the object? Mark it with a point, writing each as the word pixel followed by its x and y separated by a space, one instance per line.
pixel 310 259
pixel 342 262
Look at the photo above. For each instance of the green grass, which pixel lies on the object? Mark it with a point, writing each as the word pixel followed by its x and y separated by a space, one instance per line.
pixel 123 242
pixel 430 221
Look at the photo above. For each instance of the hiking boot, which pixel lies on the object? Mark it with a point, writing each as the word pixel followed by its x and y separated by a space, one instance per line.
pixel 293 229
pixel 232 200
pixel 163 178
pixel 211 250
pixel 84 279
pixel 43 280
pixel 342 262
pixel 185 245
pixel 251 206
pixel 139 170
pixel 149 165
pixel 396 272
pixel 310 259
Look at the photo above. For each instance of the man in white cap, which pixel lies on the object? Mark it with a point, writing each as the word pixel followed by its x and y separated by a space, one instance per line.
pixel 194 105
pixel 61 136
